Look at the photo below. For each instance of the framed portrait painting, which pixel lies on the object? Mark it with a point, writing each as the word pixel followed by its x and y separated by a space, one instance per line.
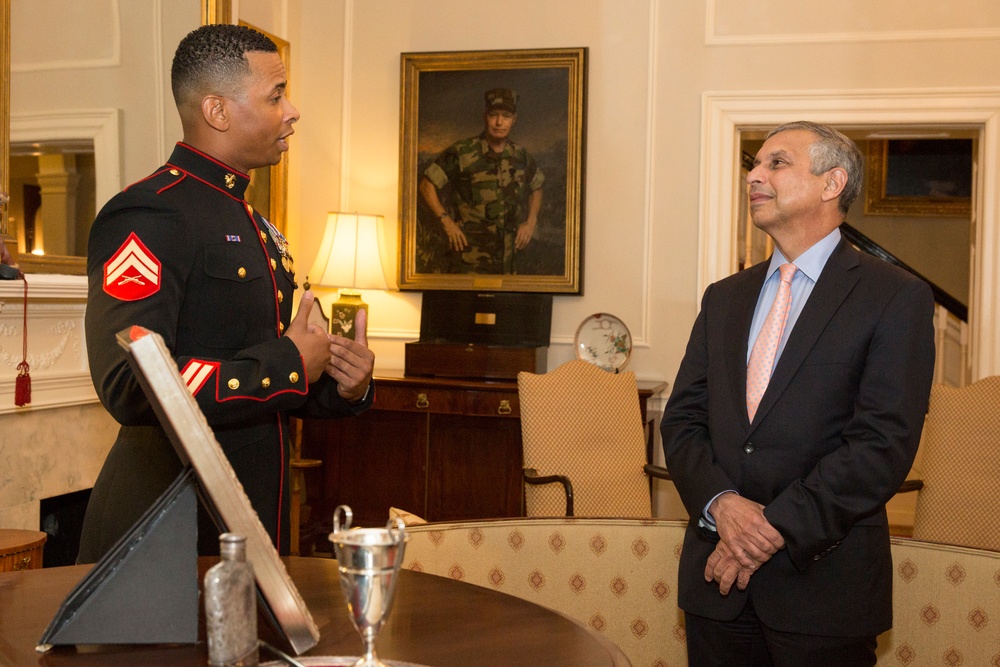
pixel 912 177
pixel 492 170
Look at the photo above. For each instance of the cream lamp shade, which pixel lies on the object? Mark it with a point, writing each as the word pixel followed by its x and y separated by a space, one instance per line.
pixel 349 258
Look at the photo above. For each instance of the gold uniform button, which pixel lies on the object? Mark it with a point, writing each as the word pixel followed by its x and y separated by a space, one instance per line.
pixel 263 236
pixel 265 383
pixel 234 384
pixel 174 172
pixel 249 209
pixel 281 297
pixel 293 377
pixel 281 327
pixel 274 264
pixel 242 273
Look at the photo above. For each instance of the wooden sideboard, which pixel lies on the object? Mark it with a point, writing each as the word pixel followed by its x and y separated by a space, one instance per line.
pixel 442 448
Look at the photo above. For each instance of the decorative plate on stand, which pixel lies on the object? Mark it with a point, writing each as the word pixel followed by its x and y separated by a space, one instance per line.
pixel 605 341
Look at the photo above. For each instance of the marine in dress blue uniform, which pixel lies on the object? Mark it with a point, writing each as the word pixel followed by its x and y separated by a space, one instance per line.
pixel 183 254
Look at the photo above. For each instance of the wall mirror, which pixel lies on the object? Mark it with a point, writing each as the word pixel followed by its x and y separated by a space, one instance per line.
pixel 91 107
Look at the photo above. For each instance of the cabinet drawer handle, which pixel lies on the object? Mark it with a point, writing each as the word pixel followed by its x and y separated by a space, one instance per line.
pixel 422 401
pixel 504 408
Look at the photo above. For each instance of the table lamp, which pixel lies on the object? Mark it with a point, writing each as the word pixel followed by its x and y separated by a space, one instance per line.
pixel 349 258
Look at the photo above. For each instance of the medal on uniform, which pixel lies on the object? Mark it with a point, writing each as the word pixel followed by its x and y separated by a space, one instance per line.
pixel 281 244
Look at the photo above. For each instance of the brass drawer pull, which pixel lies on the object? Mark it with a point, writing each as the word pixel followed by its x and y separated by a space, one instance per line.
pixel 23 564
pixel 504 408
pixel 422 401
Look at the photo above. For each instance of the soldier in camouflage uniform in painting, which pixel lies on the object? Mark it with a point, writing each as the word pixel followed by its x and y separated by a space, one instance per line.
pixel 485 192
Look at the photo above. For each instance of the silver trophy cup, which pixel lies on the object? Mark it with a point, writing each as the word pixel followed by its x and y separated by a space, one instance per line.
pixel 369 560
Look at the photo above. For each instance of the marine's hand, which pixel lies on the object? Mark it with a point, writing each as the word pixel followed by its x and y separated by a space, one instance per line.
pixel 311 340
pixel 351 363
pixel 723 567
pixel 742 525
pixel 456 239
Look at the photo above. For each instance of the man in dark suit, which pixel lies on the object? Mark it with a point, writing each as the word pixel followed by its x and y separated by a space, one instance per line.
pixel 786 559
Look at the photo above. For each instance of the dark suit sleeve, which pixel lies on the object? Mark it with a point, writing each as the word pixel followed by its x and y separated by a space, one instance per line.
pixel 684 429
pixel 850 485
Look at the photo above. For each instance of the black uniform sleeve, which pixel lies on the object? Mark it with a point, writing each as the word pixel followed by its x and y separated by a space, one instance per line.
pixel 258 379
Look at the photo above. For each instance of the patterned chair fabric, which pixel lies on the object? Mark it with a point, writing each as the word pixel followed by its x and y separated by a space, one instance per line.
pixel 617 577
pixel 946 606
pixel 961 467
pixel 584 422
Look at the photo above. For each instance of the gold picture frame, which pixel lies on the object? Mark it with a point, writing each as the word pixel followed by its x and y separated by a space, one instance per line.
pixel 442 105
pixel 919 177
pixel 268 189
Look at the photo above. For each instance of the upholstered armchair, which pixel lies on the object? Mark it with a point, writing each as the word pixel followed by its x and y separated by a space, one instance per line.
pixel 960 472
pixel 584 447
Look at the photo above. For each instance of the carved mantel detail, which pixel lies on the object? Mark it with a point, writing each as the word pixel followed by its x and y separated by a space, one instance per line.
pixel 56 352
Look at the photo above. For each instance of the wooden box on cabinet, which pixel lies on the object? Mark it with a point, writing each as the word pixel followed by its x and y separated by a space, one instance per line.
pixel 493 362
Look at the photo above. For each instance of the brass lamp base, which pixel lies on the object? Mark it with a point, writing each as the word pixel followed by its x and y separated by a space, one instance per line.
pixel 343 312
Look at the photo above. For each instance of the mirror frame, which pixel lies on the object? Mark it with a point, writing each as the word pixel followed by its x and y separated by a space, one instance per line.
pixel 221 11
pixel 10 242
pixel 214 11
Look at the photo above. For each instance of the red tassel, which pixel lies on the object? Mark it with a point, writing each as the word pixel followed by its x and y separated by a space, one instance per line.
pixel 22 385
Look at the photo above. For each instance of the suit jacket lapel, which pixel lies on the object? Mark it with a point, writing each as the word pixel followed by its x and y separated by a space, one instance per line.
pixel 738 322
pixel 833 286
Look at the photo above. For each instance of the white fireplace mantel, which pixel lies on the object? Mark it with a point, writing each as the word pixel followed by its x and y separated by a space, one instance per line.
pixel 57 354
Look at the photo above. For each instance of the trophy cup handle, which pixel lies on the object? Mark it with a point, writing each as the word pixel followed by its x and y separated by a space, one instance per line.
pixel 348 516
pixel 396 529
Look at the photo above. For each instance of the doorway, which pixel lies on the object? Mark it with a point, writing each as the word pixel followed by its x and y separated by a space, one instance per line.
pixel 914 210
pixel 970 114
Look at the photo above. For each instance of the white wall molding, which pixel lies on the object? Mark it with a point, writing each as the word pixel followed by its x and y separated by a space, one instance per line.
pixel 646 307
pixel 113 59
pixel 725 114
pixel 99 125
pixel 713 38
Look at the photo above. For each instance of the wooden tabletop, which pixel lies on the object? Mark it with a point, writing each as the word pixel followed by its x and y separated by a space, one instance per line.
pixel 435 621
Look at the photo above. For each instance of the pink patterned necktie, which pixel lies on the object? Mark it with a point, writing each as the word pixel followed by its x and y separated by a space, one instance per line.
pixel 766 345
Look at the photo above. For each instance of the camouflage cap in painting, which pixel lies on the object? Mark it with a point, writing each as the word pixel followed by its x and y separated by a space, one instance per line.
pixel 501 98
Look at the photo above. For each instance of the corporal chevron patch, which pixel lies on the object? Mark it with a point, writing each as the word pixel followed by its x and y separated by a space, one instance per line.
pixel 196 374
pixel 133 272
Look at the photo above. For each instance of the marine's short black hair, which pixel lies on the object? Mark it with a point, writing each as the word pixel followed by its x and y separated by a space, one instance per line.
pixel 212 58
